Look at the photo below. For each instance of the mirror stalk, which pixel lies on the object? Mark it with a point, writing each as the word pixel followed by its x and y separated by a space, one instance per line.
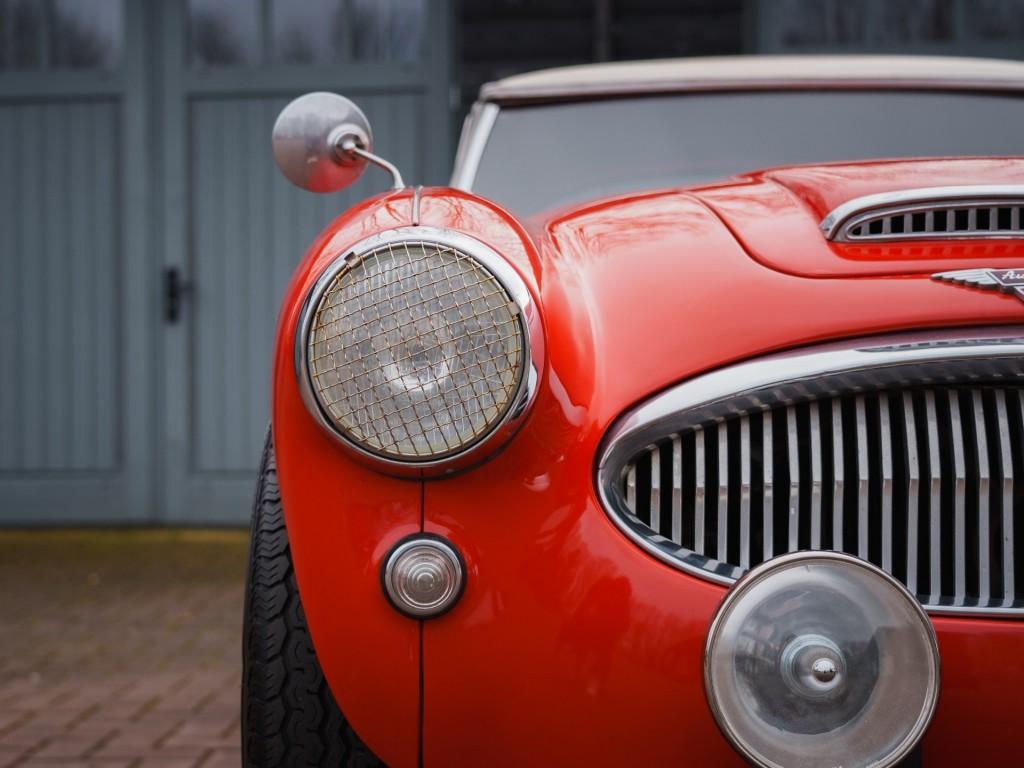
pixel 348 148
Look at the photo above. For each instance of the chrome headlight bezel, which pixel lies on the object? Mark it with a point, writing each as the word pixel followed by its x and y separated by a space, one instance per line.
pixel 532 340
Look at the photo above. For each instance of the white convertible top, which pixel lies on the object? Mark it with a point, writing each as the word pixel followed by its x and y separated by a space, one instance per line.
pixel 755 72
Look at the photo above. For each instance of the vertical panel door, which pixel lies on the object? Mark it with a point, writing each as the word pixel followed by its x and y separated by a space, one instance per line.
pixel 76 310
pixel 234 229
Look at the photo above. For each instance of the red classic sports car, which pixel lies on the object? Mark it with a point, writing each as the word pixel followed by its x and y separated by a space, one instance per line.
pixel 618 451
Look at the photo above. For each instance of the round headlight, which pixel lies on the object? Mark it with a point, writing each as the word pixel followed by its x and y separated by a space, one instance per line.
pixel 818 658
pixel 417 348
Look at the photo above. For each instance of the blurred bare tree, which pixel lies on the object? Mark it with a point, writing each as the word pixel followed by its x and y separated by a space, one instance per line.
pixel 213 42
pixel 59 34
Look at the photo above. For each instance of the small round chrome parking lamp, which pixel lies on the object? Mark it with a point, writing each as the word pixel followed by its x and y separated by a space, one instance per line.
pixel 819 658
pixel 423 576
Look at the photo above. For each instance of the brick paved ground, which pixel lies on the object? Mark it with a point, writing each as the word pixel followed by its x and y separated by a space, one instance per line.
pixel 120 648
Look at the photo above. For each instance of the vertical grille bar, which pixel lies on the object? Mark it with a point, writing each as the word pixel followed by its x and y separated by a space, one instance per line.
pixel 816 472
pixel 913 489
pixel 935 497
pixel 677 488
pixel 655 488
pixel 745 492
pixel 839 494
pixel 960 483
pixel 700 493
pixel 887 481
pixel 984 475
pixel 769 497
pixel 863 485
pixel 794 478
pixel 1016 437
pixel 1006 465
pixel 723 492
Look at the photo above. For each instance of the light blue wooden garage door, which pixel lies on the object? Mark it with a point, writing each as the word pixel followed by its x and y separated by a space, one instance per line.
pixel 148 164
pixel 76 366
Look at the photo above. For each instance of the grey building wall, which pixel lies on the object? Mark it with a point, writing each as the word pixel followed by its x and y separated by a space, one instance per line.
pixel 134 140
pixel 503 37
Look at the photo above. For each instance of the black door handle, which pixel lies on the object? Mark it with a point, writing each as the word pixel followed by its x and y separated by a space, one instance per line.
pixel 175 289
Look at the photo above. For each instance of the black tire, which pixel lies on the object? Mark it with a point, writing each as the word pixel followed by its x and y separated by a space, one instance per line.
pixel 289 717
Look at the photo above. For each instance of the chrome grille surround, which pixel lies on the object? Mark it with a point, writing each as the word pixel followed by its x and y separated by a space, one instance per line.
pixel 976 212
pixel 949 399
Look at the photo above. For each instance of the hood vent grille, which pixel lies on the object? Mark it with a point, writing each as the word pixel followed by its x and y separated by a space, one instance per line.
pixel 921 214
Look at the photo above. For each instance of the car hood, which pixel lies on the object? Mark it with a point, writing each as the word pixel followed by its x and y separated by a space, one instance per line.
pixel 645 290
pixel 776 216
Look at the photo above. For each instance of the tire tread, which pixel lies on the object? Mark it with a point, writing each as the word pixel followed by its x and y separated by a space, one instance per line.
pixel 289 717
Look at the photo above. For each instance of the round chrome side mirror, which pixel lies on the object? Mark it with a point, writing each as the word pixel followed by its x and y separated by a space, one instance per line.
pixel 322 142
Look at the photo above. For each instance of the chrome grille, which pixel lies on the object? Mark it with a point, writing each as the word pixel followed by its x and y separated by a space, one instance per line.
pixel 918 470
pixel 930 213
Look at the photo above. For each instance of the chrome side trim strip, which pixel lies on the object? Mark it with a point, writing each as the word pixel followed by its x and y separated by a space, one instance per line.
pixel 762 385
pixel 920 200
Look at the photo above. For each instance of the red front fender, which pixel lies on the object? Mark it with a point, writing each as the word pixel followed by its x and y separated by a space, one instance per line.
pixel 571 646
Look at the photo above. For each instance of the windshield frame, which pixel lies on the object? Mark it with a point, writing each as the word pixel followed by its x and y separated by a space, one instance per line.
pixel 479 123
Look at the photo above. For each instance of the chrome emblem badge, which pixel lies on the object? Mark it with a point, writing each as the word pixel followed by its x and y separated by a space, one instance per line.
pixel 1009 281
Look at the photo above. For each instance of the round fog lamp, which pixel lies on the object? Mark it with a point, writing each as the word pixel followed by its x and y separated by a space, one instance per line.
pixel 819 658
pixel 423 576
